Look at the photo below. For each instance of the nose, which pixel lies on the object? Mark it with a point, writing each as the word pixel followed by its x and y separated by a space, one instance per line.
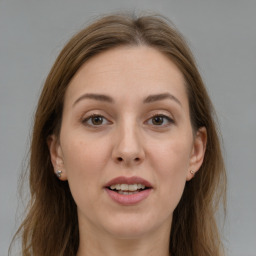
pixel 128 148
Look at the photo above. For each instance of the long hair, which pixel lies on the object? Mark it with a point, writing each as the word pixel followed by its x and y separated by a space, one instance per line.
pixel 51 224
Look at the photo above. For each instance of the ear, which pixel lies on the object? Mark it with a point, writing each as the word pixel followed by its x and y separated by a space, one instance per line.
pixel 197 153
pixel 56 156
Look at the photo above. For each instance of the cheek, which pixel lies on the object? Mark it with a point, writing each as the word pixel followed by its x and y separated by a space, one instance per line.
pixel 171 162
pixel 172 156
pixel 84 162
pixel 82 154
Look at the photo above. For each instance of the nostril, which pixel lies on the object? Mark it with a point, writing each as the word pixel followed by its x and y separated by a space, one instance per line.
pixel 128 160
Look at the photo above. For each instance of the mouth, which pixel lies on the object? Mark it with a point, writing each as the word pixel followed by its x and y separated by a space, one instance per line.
pixel 128 190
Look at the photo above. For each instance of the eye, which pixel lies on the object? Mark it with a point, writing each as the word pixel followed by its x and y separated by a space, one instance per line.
pixel 160 120
pixel 95 120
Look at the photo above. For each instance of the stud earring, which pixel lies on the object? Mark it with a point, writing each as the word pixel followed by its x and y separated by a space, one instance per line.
pixel 58 173
pixel 192 172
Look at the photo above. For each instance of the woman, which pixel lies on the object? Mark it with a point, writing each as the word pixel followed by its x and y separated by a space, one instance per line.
pixel 125 155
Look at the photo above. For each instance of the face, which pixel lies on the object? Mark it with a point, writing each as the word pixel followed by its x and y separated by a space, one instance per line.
pixel 126 122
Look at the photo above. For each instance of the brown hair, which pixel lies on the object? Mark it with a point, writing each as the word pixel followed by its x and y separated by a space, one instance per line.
pixel 51 225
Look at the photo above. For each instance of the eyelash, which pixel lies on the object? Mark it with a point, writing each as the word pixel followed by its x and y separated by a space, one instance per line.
pixel 167 119
pixel 89 118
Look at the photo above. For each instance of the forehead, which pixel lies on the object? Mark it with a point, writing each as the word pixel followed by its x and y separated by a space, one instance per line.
pixel 136 70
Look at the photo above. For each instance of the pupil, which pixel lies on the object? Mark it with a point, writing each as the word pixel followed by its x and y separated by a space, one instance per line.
pixel 158 120
pixel 97 120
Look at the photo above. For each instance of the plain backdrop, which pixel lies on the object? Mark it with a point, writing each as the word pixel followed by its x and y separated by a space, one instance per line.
pixel 222 35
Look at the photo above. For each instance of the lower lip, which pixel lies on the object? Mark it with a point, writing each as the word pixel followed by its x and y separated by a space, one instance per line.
pixel 128 199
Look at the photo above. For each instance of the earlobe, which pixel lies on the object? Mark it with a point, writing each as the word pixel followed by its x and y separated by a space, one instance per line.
pixel 198 152
pixel 56 157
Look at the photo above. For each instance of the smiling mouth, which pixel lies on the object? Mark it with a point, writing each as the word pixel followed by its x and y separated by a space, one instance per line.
pixel 127 189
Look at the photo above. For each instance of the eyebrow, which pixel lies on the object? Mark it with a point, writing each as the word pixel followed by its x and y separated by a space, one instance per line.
pixel 93 96
pixel 148 99
pixel 162 96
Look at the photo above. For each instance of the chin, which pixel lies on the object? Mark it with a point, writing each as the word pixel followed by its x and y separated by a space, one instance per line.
pixel 131 227
pixel 129 233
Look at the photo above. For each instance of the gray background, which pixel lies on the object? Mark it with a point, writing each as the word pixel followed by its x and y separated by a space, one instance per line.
pixel 222 35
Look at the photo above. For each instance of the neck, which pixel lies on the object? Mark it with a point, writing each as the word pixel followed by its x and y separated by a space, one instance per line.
pixel 154 244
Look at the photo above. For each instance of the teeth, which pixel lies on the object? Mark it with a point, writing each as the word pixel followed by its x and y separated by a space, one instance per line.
pixel 126 187
pixel 133 187
pixel 127 193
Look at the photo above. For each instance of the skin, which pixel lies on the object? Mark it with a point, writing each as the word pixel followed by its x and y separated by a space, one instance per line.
pixel 126 141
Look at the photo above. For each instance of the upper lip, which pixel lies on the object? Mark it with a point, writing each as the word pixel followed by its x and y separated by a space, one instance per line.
pixel 129 181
